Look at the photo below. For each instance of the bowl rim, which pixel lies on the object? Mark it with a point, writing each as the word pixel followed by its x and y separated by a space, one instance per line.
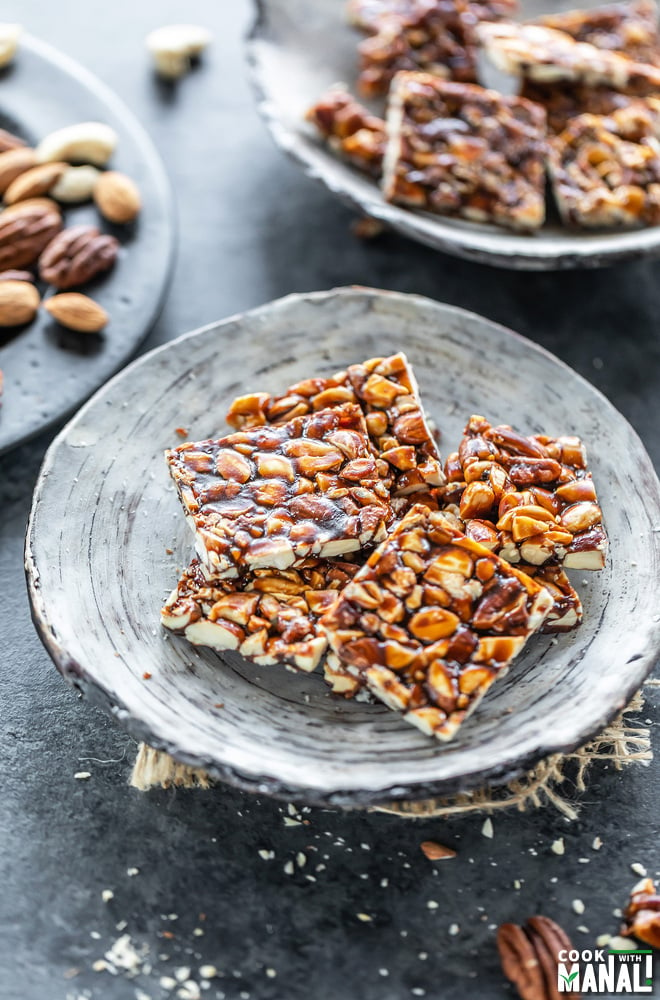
pixel 80 677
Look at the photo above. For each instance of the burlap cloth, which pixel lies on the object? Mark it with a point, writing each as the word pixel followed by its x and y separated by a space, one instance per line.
pixel 557 780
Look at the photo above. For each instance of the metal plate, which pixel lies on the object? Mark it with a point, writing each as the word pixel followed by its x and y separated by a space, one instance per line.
pixel 105 514
pixel 297 50
pixel 49 371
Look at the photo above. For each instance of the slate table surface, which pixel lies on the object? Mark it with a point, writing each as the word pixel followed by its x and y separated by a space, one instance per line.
pixel 252 229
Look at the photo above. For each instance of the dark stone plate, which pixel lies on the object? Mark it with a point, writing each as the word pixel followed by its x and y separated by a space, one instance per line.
pixel 297 50
pixel 105 514
pixel 49 371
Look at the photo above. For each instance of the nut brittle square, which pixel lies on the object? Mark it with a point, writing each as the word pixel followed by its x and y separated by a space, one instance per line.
pixel 460 150
pixel 603 175
pixel 268 616
pixel 631 28
pixel 433 36
pixel 386 389
pixel 545 55
pixel 350 130
pixel 432 620
pixel 277 494
pixel 530 499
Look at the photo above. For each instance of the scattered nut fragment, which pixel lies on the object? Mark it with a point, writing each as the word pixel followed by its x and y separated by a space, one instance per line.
pixel 435 851
pixel 10 141
pixel 76 312
pixel 642 914
pixel 174 46
pixel 117 197
pixel 87 142
pixel 9 36
pixel 13 163
pixel 19 301
pixel 76 256
pixel 25 230
pixel 76 184
pixel 34 182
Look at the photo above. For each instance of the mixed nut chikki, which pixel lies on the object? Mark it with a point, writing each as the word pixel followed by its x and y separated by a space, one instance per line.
pixel 386 390
pixel 545 55
pixel 277 494
pixel 461 150
pixel 531 499
pixel 434 36
pixel 564 101
pixel 600 178
pixel 350 130
pixel 269 616
pixel 631 28
pixel 327 533
pixel 432 620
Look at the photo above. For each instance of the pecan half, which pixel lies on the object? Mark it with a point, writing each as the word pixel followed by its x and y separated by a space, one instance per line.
pixel 24 232
pixel 642 914
pixel 76 256
pixel 529 957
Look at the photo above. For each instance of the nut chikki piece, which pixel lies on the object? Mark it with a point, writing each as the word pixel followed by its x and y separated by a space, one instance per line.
pixel 458 149
pixel 531 499
pixel 564 101
pixel 387 391
pixel 275 495
pixel 545 55
pixel 350 130
pixel 432 620
pixel 269 616
pixel 631 28
pixel 601 179
pixel 436 36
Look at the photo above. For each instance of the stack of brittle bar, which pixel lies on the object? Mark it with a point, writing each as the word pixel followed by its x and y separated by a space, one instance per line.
pixel 327 529
pixel 446 144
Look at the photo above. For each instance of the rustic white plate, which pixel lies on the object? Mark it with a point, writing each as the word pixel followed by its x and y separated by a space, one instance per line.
pixel 298 49
pixel 105 514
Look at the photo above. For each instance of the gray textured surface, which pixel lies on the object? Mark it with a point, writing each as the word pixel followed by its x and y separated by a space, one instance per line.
pixel 252 229
pixel 102 627
pixel 49 371
pixel 298 51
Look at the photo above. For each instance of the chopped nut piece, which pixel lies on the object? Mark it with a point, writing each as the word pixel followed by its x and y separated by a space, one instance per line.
pixel 387 391
pixel 350 130
pixel 545 505
pixel 546 55
pixel 318 501
pixel 601 178
pixel 439 660
pixel 631 28
pixel 642 914
pixel 269 616
pixel 436 852
pixel 458 149
pixel 566 613
pixel 436 36
pixel 557 846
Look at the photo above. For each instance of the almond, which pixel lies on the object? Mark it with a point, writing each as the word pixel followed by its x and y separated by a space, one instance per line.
pixel 19 301
pixel 35 182
pixel 435 851
pixel 13 163
pixel 117 197
pixel 20 207
pixel 77 312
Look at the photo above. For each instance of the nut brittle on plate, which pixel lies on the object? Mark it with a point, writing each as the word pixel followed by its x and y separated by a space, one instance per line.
pixel 458 149
pixel 432 620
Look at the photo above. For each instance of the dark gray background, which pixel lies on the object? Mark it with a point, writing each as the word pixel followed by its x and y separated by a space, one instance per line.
pixel 252 228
